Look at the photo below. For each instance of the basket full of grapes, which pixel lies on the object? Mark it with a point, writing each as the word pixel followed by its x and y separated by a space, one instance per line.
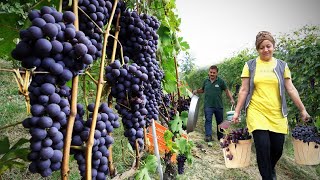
pixel 306 145
pixel 236 145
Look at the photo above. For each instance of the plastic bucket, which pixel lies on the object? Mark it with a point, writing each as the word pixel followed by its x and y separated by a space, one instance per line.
pixel 230 114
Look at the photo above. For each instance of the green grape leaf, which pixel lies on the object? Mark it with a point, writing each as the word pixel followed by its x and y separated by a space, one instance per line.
pixel 4 145
pixel 21 142
pixel 184 117
pixel 142 174
pixel 149 166
pixel 16 154
pixel 11 164
pixel 151 163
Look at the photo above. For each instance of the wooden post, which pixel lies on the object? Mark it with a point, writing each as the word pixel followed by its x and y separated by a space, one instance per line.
pixel 110 158
pixel 73 110
pixel 98 98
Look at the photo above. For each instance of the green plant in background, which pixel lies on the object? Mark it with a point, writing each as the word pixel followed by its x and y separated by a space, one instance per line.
pixel 182 148
pixel 179 121
pixel 301 50
pixel 149 166
pixel 179 145
pixel 13 156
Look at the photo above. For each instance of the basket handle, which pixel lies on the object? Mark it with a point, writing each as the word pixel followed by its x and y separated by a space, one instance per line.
pixel 231 107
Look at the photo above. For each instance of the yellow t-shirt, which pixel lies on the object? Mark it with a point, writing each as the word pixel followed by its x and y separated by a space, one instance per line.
pixel 264 111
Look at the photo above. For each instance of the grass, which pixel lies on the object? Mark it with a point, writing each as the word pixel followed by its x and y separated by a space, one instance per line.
pixel 13 108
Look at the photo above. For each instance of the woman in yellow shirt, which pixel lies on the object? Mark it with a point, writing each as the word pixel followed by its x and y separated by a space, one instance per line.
pixel 262 94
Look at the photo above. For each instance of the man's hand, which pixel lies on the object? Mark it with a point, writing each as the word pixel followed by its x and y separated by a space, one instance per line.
pixel 194 92
pixel 232 102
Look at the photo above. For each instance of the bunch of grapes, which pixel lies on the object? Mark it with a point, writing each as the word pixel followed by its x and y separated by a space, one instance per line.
pixel 181 159
pixel 127 88
pixel 233 137
pixel 183 104
pixel 306 133
pixel 166 98
pixel 139 41
pixel 93 16
pixel 107 120
pixel 49 108
pixel 50 44
pixel 167 107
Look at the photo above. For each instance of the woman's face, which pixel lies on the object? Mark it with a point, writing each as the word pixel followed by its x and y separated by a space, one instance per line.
pixel 265 50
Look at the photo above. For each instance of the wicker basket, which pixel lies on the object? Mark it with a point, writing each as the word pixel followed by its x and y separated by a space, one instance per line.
pixel 306 153
pixel 241 154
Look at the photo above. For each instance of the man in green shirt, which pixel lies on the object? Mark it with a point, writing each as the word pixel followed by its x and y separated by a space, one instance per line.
pixel 212 89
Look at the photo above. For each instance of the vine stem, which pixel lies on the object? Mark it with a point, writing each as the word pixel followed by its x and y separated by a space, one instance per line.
pixel 10 125
pixel 137 154
pixel 110 159
pixel 177 76
pixel 73 110
pixel 98 97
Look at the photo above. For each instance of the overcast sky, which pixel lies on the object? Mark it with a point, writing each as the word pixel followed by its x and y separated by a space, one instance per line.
pixel 217 29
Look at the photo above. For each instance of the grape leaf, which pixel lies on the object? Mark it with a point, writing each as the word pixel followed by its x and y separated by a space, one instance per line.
pixel 10 165
pixel 16 154
pixel 20 143
pixel 151 163
pixel 182 144
pixel 142 175
pixel 184 117
pixel 172 146
pixel 149 166
pixel 4 145
pixel 176 124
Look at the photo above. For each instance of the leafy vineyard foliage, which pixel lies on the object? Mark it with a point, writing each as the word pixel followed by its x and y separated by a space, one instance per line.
pixel 10 156
pixel 301 50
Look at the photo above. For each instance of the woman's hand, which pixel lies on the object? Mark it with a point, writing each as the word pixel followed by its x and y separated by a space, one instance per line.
pixel 304 115
pixel 235 117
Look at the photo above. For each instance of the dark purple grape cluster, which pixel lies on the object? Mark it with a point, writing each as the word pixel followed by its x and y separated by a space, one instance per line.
pixel 93 16
pixel 183 104
pixel 49 108
pixel 181 159
pixel 167 107
pixel 52 44
pixel 127 87
pixel 107 120
pixel 139 41
pixel 166 98
pixel 306 133
pixel 233 138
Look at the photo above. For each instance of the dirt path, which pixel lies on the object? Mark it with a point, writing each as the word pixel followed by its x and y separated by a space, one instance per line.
pixel 208 164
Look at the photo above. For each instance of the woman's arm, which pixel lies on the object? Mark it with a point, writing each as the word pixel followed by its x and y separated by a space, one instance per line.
pixel 294 95
pixel 243 92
